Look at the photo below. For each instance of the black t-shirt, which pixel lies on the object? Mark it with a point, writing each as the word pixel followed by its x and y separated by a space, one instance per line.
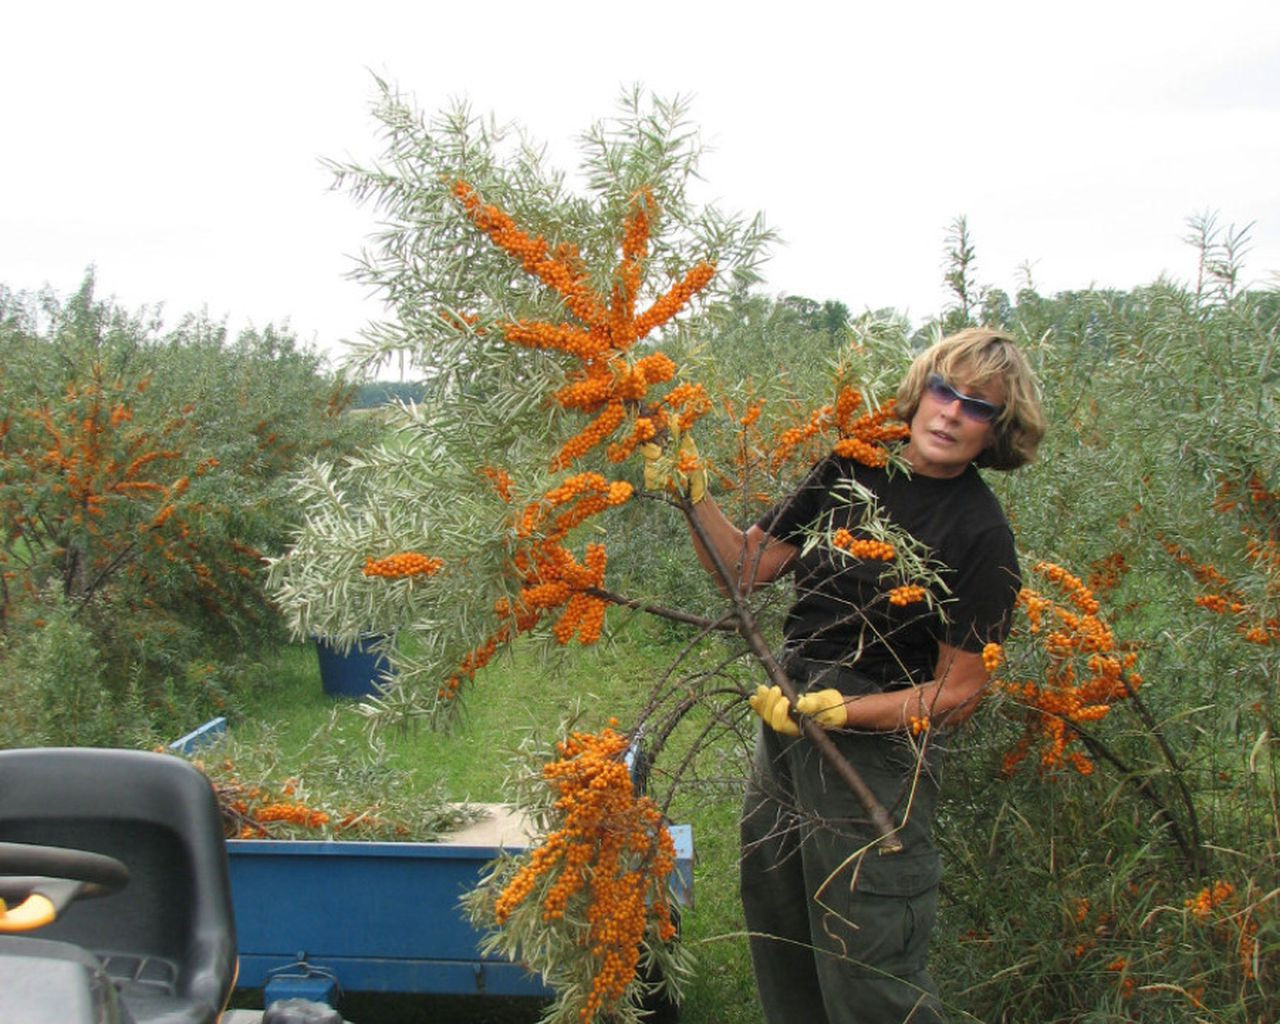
pixel 842 612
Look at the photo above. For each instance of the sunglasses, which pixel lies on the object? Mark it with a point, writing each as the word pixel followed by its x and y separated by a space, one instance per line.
pixel 974 408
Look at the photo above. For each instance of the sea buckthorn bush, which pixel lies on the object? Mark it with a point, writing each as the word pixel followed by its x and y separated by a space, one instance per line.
pixel 548 317
pixel 562 332
pixel 1127 763
pixel 142 476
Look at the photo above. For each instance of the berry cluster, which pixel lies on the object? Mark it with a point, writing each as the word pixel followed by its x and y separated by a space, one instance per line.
pixel 605 386
pixel 863 547
pixel 550 577
pixel 861 438
pixel 403 565
pixel 1251 601
pixel 606 862
pixel 910 593
pixel 1237 926
pixel 1084 673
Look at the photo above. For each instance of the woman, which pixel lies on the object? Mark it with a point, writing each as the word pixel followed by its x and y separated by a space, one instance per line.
pixel 839 930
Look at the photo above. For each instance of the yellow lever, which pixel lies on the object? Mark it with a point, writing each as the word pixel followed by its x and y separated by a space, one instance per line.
pixel 35 911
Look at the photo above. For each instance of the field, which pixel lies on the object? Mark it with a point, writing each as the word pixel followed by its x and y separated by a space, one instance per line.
pixel 1109 832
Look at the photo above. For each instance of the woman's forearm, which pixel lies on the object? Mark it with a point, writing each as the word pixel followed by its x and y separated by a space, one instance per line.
pixel 950 698
pixel 933 703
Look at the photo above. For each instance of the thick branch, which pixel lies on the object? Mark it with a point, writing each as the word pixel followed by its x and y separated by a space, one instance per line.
pixel 1139 706
pixel 814 733
pixel 104 574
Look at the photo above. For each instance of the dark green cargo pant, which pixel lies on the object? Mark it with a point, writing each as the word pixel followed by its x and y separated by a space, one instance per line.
pixel 840 931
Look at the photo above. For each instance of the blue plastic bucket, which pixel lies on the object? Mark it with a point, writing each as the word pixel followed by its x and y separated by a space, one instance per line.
pixel 357 673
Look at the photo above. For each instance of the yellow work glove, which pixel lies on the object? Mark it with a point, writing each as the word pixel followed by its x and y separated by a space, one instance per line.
pixel 662 473
pixel 654 478
pixel 826 707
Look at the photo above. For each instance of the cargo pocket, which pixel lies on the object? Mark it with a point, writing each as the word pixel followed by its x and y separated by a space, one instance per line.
pixel 880 919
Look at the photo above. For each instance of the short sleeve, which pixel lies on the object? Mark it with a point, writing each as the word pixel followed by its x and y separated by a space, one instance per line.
pixel 984 589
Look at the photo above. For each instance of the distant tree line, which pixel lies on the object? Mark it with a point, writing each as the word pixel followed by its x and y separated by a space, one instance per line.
pixel 374 393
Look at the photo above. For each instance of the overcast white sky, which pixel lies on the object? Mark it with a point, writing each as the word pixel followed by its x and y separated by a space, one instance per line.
pixel 176 146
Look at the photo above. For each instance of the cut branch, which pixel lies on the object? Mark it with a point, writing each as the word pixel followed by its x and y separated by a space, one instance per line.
pixel 814 733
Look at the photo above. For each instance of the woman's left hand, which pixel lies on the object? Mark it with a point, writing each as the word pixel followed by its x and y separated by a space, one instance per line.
pixel 826 707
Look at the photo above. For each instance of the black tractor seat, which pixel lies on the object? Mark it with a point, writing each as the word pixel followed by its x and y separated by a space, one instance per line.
pixel 167 939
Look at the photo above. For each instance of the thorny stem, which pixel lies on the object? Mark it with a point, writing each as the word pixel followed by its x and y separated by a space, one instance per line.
pixel 1149 720
pixel 814 733
pixel 1190 851
pixel 685 706
pixel 655 697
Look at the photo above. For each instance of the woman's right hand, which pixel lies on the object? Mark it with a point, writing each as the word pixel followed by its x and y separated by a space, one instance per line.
pixel 682 472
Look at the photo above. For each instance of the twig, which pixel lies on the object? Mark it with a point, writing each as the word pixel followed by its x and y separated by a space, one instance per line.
pixel 724 625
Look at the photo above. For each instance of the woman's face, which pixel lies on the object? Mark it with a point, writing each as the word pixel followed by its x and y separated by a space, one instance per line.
pixel 949 430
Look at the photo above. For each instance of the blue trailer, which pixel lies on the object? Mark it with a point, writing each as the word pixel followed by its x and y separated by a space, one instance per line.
pixel 316 918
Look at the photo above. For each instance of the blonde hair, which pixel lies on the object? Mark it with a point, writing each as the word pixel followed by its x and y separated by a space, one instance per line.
pixel 973 358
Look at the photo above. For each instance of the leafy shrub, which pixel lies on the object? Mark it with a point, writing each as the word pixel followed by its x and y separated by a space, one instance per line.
pixel 54 689
pixel 140 480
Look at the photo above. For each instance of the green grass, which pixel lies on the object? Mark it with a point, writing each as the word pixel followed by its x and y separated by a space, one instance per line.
pixel 514 696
